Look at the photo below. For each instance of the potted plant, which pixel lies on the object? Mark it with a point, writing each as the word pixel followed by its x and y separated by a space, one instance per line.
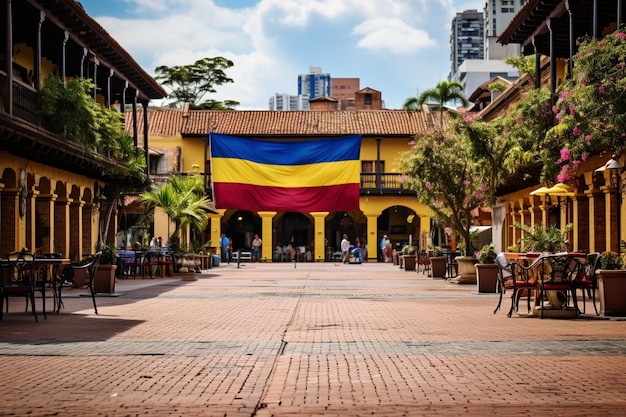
pixel 104 279
pixel 438 263
pixel 487 270
pixel 612 284
pixel 544 239
pixel 409 257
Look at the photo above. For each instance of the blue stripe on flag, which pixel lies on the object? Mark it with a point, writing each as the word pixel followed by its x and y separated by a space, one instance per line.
pixel 346 148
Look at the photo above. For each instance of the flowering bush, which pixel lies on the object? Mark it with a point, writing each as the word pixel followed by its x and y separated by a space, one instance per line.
pixel 448 177
pixel 591 109
pixel 611 260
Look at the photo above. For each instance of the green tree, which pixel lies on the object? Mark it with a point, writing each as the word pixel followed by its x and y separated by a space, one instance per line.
pixel 443 93
pixel 183 200
pixel 448 177
pixel 190 83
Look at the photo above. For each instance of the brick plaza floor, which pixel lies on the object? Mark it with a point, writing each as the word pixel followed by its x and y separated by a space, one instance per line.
pixel 324 339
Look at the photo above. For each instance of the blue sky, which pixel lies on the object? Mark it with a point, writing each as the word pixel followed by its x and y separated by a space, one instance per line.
pixel 399 47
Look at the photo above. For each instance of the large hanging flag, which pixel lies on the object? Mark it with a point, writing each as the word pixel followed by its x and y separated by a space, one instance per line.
pixel 299 176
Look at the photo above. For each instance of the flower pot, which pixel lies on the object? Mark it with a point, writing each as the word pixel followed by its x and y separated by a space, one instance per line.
pixel 438 266
pixel 467 271
pixel 486 277
pixel 104 279
pixel 612 292
pixel 408 262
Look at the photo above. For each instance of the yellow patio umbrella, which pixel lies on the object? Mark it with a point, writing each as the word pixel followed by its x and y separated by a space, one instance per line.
pixel 540 191
pixel 561 190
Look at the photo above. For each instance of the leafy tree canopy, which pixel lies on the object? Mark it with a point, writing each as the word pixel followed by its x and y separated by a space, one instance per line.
pixel 190 83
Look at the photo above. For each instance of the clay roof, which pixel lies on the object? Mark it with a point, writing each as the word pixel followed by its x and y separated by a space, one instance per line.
pixel 170 122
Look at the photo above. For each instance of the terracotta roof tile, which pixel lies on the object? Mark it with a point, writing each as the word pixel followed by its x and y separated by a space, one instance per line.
pixel 170 122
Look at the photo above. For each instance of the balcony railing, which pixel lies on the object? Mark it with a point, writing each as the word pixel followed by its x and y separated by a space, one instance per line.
pixel 383 184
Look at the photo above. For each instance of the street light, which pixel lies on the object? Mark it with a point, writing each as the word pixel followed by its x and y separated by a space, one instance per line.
pixel 615 167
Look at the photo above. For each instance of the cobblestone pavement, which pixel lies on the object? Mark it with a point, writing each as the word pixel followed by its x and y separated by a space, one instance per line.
pixel 315 339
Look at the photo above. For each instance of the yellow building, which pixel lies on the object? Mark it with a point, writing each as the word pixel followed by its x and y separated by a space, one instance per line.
pixel 51 190
pixel 179 143
pixel 549 30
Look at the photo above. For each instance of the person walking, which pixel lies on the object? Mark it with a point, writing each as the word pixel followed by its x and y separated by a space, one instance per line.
pixel 345 249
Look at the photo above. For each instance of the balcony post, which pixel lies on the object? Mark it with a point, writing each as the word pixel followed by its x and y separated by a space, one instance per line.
pixel 378 183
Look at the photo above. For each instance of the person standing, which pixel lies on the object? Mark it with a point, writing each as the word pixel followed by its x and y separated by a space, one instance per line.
pixel 388 250
pixel 382 248
pixel 224 247
pixel 256 247
pixel 345 249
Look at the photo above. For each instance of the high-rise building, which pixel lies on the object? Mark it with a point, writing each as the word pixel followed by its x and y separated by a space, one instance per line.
pixel 498 15
pixel 467 38
pixel 285 101
pixel 314 84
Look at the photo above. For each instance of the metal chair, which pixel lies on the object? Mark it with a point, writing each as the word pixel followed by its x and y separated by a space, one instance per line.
pixel 88 267
pixel 557 274
pixel 19 279
pixel 587 280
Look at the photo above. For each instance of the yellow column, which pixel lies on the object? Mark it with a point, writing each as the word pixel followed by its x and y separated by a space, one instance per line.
pixel 32 220
pixel 424 232
pixel 372 236
pixel 608 193
pixel 215 226
pixel 319 251
pixel 574 245
pixel 266 234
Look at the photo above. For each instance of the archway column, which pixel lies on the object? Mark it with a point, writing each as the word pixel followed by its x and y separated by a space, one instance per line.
pixel 266 234
pixel 319 233
pixel 372 236
pixel 424 232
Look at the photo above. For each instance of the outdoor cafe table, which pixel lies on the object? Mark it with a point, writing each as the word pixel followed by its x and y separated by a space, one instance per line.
pixel 51 266
pixel 528 259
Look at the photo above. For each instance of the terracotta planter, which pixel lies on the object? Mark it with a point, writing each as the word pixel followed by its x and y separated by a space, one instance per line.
pixel 486 277
pixel 438 266
pixel 612 292
pixel 104 279
pixel 408 262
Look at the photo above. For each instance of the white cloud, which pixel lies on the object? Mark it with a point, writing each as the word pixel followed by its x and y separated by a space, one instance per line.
pixel 392 35
pixel 383 42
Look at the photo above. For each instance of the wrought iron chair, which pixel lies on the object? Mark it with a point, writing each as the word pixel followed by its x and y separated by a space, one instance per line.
pixel 423 262
pixel 517 278
pixel 558 274
pixel 587 280
pixel 88 267
pixel 19 278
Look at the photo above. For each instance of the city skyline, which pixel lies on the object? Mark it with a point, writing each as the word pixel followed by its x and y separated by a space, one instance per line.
pixel 398 47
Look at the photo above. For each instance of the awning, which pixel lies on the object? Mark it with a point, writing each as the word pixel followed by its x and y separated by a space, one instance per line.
pixel 479 229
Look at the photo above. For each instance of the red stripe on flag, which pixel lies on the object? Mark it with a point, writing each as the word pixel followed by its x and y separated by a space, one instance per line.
pixel 249 197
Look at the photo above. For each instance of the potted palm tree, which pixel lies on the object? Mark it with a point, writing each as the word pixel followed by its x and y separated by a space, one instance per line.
pixel 487 270
pixel 612 284
pixel 104 278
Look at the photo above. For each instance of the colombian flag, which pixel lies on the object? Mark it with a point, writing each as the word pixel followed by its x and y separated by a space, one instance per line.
pixel 299 176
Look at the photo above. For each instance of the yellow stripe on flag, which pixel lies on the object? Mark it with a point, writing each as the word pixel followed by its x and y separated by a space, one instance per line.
pixel 229 170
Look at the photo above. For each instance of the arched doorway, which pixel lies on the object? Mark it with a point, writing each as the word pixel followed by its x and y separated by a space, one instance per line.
pixel 241 228
pixel 294 228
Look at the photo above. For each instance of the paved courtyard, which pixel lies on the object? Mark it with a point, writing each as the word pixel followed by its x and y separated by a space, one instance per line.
pixel 271 339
